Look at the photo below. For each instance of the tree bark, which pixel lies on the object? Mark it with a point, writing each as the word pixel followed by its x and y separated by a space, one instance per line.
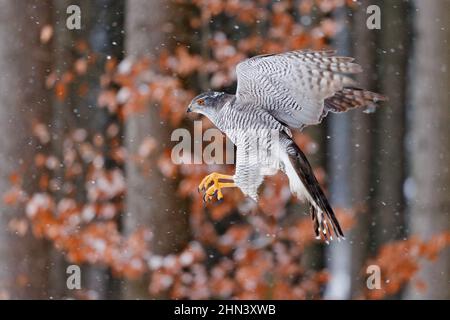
pixel 151 198
pixel 24 64
pixel 430 143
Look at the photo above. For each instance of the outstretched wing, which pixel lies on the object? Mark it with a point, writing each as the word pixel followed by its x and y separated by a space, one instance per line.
pixel 300 87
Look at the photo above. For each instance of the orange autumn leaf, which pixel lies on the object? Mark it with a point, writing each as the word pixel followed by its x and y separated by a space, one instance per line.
pixel 60 91
pixel 13 196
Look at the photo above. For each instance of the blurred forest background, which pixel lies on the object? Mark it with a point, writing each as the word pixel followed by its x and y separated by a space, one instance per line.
pixel 87 178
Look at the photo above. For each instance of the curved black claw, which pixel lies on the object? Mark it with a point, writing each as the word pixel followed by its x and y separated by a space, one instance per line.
pixel 206 197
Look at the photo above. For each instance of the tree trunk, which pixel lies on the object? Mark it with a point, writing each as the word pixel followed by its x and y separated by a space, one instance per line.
pixel 339 130
pixel 151 198
pixel 364 48
pixel 24 63
pixel 101 25
pixel 389 167
pixel 62 60
pixel 430 143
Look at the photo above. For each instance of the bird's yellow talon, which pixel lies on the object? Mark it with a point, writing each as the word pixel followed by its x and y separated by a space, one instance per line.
pixel 215 189
pixel 207 181
pixel 213 178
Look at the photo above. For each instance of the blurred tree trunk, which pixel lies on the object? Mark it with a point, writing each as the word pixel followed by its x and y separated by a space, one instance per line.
pixel 339 150
pixel 151 198
pixel 101 30
pixel 24 64
pixel 103 33
pixel 430 149
pixel 388 202
pixel 364 49
pixel 62 61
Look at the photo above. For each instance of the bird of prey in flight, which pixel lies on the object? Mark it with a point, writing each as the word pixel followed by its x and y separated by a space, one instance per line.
pixel 276 93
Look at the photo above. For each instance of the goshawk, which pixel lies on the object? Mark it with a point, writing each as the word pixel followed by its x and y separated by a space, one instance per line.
pixel 276 92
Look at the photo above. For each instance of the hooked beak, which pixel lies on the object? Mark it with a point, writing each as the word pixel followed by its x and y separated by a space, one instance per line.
pixel 193 114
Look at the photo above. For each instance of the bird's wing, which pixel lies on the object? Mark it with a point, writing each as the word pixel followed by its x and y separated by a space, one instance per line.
pixel 300 87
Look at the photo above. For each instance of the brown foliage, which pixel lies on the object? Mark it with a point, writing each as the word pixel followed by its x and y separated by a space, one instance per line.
pixel 400 261
pixel 238 250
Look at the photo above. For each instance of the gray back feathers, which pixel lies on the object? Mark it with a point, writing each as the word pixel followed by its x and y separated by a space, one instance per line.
pixel 293 86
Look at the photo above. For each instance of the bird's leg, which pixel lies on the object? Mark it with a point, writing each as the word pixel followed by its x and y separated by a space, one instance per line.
pixel 216 185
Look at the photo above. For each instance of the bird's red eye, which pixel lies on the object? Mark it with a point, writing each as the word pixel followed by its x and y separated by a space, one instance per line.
pixel 200 102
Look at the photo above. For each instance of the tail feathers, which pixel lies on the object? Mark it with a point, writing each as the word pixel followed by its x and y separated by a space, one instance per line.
pixel 349 98
pixel 322 225
pixel 324 219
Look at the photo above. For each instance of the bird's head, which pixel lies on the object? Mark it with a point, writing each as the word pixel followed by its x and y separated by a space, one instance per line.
pixel 208 103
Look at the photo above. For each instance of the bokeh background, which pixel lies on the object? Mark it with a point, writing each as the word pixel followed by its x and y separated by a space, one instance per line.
pixel 86 175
